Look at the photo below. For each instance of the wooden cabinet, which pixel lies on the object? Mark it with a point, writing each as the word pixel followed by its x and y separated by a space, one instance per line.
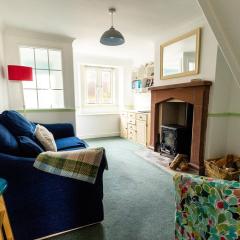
pixel 131 118
pixel 135 126
pixel 124 125
pixel 131 131
pixel 141 129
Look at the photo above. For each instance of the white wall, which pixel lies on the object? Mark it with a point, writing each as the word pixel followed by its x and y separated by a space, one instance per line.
pixel 216 144
pixel 98 125
pixel 142 101
pixel 208 52
pixel 13 38
pixel 233 137
pixel 3 80
pixel 224 123
pixel 223 18
pixel 55 116
pixel 208 56
pixel 223 130
pixel 101 121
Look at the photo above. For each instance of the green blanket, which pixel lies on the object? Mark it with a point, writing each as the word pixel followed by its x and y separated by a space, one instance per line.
pixel 79 164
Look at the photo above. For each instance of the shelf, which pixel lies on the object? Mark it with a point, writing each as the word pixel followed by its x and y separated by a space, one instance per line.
pixel 141 90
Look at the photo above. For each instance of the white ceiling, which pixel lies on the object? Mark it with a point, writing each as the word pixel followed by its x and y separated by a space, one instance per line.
pixel 140 21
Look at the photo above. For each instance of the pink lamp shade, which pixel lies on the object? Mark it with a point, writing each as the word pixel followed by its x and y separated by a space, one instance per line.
pixel 19 73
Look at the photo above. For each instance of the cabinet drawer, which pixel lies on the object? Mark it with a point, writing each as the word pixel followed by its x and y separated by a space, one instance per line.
pixel 132 118
pixel 132 134
pixel 141 116
pixel 131 127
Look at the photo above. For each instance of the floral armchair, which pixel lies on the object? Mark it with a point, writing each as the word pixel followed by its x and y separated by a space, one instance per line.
pixel 206 208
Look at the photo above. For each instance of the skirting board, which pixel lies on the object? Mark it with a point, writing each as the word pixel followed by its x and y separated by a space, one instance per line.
pixel 56 234
pixel 104 135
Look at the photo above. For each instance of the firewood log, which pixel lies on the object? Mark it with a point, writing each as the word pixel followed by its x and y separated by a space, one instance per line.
pixel 176 161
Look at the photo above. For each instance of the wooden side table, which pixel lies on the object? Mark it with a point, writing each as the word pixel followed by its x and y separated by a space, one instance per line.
pixel 5 227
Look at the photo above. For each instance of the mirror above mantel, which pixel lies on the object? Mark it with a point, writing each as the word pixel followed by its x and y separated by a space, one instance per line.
pixel 179 57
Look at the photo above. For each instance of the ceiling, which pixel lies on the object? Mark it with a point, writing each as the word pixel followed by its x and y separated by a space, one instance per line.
pixel 140 21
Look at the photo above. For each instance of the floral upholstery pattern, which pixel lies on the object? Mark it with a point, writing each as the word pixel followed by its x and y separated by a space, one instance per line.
pixel 206 208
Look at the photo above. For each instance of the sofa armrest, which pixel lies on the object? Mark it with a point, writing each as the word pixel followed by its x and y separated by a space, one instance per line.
pixel 45 203
pixel 60 130
pixel 12 160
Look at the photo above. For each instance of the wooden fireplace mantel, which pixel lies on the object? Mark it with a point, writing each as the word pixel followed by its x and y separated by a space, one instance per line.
pixel 193 83
pixel 195 92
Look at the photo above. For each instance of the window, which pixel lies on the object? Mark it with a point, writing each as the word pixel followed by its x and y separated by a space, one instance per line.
pixel 99 83
pixel 46 89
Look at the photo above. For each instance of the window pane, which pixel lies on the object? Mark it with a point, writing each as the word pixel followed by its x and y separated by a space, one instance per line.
pixel 191 66
pixel 106 87
pixel 42 79
pixel 27 57
pixel 30 99
pixel 57 98
pixel 30 84
pixel 55 60
pixel 46 89
pixel 91 76
pixel 41 58
pixel 56 79
pixel 44 99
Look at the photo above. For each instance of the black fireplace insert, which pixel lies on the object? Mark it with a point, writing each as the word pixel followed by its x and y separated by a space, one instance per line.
pixel 175 139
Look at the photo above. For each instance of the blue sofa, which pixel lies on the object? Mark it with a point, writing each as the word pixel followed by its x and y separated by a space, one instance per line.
pixel 40 204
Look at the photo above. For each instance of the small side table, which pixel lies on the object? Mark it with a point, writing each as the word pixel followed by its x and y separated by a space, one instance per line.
pixel 4 219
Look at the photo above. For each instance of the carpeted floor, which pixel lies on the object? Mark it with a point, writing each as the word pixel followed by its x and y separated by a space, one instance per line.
pixel 138 198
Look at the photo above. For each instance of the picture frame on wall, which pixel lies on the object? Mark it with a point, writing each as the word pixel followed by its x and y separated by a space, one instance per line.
pixel 180 57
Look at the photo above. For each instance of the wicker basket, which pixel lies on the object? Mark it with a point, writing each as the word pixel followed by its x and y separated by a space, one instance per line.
pixel 213 170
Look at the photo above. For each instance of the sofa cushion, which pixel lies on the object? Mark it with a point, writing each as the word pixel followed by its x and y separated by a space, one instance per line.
pixel 8 143
pixel 17 124
pixel 70 142
pixel 28 147
pixel 45 138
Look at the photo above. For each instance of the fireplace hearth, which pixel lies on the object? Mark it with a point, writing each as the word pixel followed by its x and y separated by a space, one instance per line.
pixel 176 129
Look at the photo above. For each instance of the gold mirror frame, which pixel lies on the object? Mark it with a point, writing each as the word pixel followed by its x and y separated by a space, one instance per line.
pixel 196 32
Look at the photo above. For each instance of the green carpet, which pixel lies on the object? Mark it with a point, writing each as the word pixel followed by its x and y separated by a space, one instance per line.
pixel 138 198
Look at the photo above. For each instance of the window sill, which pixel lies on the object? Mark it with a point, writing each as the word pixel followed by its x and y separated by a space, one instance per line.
pixel 47 110
pixel 98 113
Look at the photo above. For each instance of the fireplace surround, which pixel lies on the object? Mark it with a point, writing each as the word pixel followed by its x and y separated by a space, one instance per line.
pixel 196 93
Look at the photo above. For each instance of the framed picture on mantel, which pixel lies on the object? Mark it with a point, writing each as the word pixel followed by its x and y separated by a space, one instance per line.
pixel 180 57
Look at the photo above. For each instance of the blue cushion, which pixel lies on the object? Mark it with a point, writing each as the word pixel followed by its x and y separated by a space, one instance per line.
pixel 28 147
pixel 8 143
pixel 71 149
pixel 70 142
pixel 18 124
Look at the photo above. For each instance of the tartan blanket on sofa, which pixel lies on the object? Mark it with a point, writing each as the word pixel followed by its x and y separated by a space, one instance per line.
pixel 78 164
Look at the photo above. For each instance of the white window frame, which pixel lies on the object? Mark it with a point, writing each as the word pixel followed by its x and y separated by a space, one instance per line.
pixel 49 69
pixel 99 70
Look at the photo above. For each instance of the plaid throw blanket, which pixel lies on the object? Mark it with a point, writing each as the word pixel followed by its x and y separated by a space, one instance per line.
pixel 79 164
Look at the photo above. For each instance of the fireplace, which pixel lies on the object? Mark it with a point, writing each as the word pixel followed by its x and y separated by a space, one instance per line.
pixel 181 111
pixel 175 128
pixel 174 139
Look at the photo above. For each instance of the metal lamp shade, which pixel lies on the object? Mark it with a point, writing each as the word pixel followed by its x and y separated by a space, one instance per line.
pixel 112 37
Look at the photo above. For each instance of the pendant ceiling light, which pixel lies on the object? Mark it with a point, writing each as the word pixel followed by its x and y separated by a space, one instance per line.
pixel 112 37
